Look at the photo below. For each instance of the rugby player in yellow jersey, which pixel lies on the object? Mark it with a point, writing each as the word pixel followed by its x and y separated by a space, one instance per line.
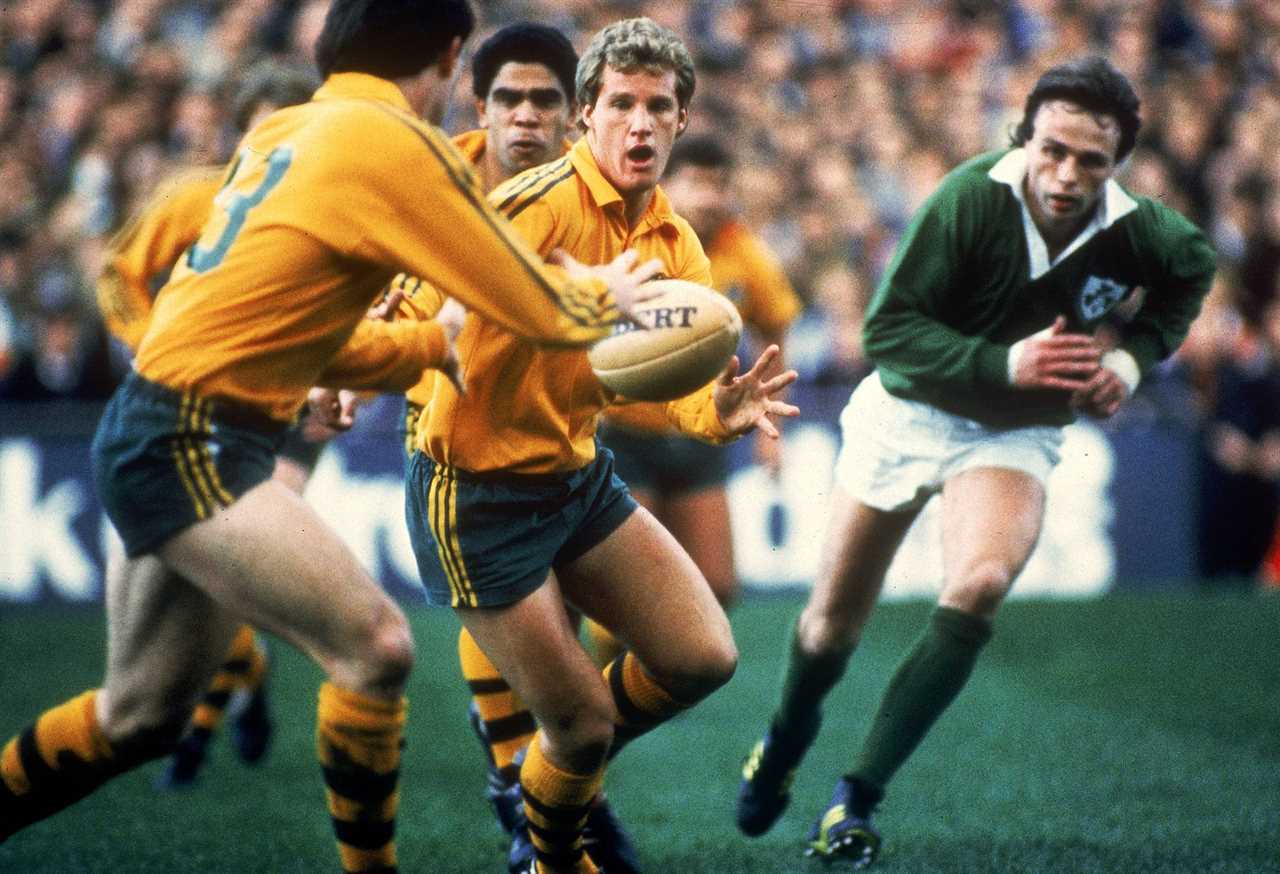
pixel 681 481
pixel 137 260
pixel 315 217
pixel 507 484
pixel 522 81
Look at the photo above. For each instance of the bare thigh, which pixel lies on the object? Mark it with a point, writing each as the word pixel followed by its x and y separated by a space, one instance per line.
pixel 271 559
pixel 165 640
pixel 699 520
pixel 641 585
pixel 860 544
pixel 991 519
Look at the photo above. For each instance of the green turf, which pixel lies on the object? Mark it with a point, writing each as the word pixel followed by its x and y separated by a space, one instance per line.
pixel 1123 735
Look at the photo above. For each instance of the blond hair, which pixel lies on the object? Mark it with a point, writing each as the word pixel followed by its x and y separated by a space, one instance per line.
pixel 634 44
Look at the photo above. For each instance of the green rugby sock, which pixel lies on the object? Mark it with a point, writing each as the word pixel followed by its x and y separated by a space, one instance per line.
pixel 808 679
pixel 925 684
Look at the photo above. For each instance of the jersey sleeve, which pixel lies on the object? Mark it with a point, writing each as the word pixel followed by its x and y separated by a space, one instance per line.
pixel 421 301
pixel 434 222
pixel 386 356
pixel 145 249
pixel 1179 264
pixel 905 330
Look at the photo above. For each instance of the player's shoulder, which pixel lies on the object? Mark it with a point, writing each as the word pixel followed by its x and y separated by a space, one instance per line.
pixel 547 186
pixel 1154 225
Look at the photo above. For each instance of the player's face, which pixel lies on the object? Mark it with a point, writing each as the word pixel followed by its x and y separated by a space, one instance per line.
pixel 701 195
pixel 526 114
pixel 1069 156
pixel 632 125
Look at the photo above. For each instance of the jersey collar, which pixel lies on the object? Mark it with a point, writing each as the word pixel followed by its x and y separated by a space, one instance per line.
pixel 1115 203
pixel 472 144
pixel 659 213
pixel 341 86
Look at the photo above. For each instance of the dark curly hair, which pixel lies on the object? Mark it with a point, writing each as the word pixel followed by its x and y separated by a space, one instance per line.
pixel 527 43
pixel 1093 83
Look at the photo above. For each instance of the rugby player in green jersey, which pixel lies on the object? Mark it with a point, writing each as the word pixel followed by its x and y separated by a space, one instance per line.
pixel 985 335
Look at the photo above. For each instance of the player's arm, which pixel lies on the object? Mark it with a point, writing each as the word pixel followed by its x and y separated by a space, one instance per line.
pixel 388 356
pixel 1178 271
pixel 147 247
pixel 906 332
pixel 436 224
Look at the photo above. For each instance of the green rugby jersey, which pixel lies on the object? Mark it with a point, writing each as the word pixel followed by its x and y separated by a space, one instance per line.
pixel 972 276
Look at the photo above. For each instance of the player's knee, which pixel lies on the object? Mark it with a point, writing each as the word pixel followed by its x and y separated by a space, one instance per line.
pixel 822 634
pixel 980 589
pixel 700 672
pixel 582 732
pixel 383 654
pixel 144 725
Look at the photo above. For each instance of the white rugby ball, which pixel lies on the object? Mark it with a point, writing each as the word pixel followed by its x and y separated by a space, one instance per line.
pixel 689 334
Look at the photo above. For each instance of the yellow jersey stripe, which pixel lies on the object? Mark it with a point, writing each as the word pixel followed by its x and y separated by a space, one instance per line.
pixel 469 194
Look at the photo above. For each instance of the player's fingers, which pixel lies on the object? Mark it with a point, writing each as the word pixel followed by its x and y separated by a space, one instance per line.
pixel 778 408
pixel 644 272
pixel 1063 383
pixel 768 428
pixel 729 377
pixel 766 358
pixel 1087 369
pixel 779 382
pixel 1059 325
pixel 1069 344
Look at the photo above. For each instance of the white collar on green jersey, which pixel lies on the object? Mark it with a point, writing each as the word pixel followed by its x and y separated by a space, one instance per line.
pixel 1012 169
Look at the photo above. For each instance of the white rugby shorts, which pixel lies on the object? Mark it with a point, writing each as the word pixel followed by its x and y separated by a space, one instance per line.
pixel 895 453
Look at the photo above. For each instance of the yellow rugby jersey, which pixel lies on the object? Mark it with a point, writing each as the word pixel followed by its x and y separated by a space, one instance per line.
pixel 423 301
pixel 322 205
pixel 147 247
pixel 529 409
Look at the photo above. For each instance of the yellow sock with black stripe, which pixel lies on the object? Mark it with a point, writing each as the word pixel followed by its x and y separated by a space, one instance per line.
pixel 641 702
pixel 508 725
pixel 245 667
pixel 54 763
pixel 604 646
pixel 556 804
pixel 358 742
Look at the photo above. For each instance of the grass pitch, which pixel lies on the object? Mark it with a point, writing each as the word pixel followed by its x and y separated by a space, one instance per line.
pixel 1120 735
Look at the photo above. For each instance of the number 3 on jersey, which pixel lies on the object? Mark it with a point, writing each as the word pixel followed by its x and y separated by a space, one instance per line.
pixel 236 205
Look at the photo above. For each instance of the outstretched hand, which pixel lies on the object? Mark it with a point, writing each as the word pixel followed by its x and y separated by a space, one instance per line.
pixel 1056 359
pixel 749 401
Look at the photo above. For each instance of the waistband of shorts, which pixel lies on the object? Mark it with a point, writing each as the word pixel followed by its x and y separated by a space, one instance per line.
pixel 222 410
pixel 513 478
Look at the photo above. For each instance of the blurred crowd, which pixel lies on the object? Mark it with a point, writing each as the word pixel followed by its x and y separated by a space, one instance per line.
pixel 843 116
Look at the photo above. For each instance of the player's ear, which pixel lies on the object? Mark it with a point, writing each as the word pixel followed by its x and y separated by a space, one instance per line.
pixel 481 105
pixel 683 120
pixel 448 61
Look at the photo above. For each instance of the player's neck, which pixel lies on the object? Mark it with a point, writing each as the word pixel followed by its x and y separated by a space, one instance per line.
pixel 634 205
pixel 492 173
